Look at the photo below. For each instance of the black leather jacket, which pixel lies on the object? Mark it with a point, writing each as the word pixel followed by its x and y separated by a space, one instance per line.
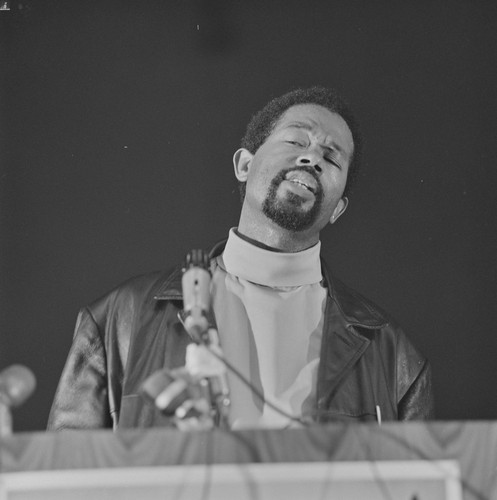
pixel 366 360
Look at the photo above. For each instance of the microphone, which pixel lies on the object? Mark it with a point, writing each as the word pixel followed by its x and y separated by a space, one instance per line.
pixel 195 284
pixel 197 394
pixel 203 360
pixel 166 390
pixel 17 383
pixel 176 393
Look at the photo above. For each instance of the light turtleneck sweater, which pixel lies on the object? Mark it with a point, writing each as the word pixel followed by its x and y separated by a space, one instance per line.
pixel 269 309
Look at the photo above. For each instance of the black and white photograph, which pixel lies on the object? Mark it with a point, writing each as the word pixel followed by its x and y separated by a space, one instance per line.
pixel 248 249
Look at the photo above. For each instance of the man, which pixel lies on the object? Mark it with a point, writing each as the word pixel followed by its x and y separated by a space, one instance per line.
pixel 312 347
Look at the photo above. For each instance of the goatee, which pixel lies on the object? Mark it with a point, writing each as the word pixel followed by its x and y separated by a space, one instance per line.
pixel 288 212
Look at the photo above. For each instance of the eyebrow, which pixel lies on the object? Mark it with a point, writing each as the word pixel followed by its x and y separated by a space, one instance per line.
pixel 309 127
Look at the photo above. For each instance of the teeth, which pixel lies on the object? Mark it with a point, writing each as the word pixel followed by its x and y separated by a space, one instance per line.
pixel 303 179
pixel 296 181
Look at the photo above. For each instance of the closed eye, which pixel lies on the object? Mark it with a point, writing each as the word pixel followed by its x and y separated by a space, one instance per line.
pixel 330 156
pixel 332 161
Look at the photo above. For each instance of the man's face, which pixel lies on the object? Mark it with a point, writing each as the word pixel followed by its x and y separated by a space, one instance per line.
pixel 297 177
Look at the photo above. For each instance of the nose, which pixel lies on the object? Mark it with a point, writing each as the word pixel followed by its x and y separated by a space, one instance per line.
pixel 310 158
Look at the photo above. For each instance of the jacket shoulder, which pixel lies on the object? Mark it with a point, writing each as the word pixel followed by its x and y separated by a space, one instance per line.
pixel 357 309
pixel 131 294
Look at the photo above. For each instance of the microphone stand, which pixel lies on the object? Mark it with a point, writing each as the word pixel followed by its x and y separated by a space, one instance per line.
pixel 203 363
pixel 5 418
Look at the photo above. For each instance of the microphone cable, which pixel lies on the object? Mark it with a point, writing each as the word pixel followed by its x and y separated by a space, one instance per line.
pixel 256 391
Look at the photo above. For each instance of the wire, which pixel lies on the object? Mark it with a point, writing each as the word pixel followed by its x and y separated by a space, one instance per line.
pixel 256 391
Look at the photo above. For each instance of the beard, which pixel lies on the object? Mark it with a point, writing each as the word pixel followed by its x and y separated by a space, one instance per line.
pixel 288 213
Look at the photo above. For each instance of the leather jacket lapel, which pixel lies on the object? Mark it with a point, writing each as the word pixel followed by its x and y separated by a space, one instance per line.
pixel 341 348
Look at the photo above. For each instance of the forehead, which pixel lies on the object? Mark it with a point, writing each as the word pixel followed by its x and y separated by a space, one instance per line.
pixel 331 126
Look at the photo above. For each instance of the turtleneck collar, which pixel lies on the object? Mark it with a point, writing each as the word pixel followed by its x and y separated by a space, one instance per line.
pixel 271 268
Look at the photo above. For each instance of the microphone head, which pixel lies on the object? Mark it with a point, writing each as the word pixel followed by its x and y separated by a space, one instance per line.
pixel 166 389
pixel 197 258
pixel 17 383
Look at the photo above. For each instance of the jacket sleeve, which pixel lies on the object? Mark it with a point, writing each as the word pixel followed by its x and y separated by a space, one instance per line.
pixel 417 403
pixel 81 399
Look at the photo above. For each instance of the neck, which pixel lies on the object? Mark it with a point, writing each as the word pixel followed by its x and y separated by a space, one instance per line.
pixel 266 233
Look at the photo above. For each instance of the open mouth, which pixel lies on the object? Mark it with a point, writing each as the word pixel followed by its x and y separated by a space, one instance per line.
pixel 303 184
pixel 303 179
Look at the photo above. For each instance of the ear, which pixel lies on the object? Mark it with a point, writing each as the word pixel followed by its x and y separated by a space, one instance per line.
pixel 241 162
pixel 339 209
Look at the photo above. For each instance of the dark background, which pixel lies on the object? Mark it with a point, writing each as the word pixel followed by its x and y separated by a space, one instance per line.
pixel 119 120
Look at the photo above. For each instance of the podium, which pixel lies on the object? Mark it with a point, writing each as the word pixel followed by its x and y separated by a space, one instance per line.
pixel 411 461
